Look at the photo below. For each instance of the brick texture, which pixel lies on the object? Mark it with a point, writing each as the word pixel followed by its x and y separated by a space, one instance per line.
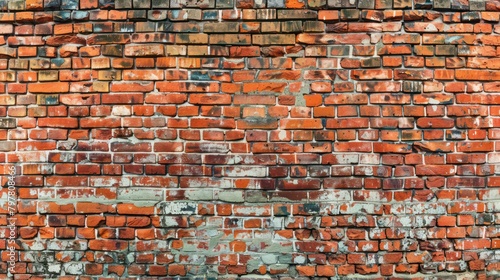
pixel 249 139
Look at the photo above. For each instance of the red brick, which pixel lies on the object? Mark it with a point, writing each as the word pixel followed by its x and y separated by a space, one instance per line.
pixel 476 75
pixel 58 122
pixel 55 87
pixel 206 99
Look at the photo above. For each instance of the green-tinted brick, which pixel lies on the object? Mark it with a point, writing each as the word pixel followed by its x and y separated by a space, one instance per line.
pixel 7 146
pixel 191 38
pixel 446 50
pixel 338 50
pixel 47 99
pixel 471 17
pixel 203 4
pixel 124 27
pixel 314 26
pixel 18 64
pixel 51 4
pixel 221 27
pixel 366 4
pixel 62 16
pixel 184 14
pixel 69 4
pixel 80 15
pixel 335 3
pixel 224 3
pixel 313 4
pixel 3 5
pixel 477 5
pixel 372 62
pixel 137 14
pixel 349 3
pixel 179 27
pixel 48 75
pixel 7 123
pixel 112 50
pixel 145 26
pixel 275 3
pixel 266 14
pixel 422 4
pixel 349 14
pixel 210 15
pixel 297 14
pixel 291 26
pixel 141 4
pixel 156 4
pixel 123 4
pixel 106 4
pixel 270 27
pixel 442 4
pixel 412 86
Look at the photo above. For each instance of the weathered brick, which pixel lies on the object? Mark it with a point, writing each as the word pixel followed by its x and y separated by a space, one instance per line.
pixel 187 38
pixel 277 39
pixel 221 27
pixel 423 27
pixel 144 50
pixel 105 39
pixel 230 39
pixel 332 39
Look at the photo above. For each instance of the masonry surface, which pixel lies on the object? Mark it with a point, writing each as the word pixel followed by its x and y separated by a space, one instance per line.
pixel 250 139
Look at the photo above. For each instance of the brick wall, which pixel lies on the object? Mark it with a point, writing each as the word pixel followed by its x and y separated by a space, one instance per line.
pixel 227 138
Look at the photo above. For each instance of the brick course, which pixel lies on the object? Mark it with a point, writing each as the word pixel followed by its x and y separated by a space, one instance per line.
pixel 226 139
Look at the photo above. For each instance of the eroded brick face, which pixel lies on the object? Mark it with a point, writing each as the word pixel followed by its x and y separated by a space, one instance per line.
pixel 284 139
